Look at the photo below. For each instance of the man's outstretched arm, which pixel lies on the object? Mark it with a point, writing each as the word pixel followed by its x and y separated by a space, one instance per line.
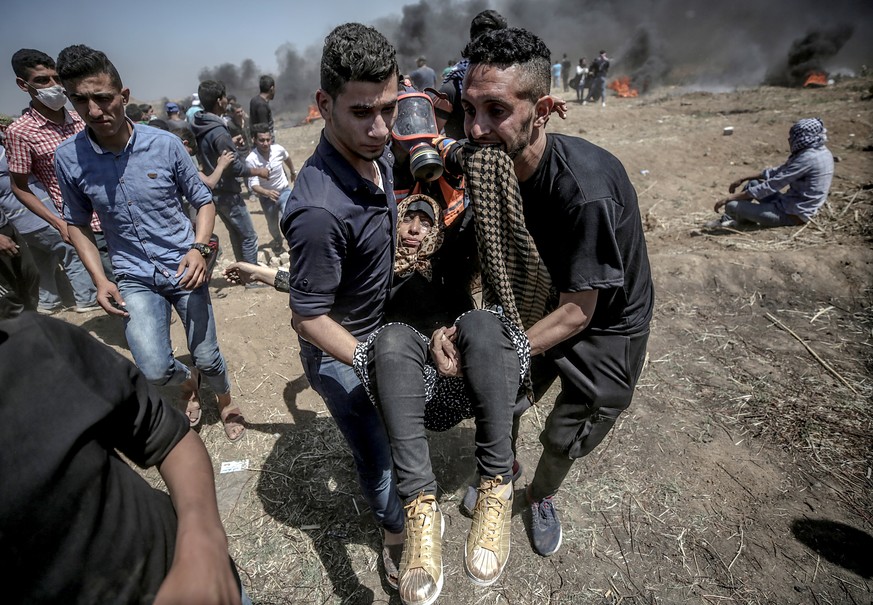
pixel 201 572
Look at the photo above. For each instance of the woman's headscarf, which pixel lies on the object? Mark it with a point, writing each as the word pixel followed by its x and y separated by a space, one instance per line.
pixel 409 260
pixel 807 133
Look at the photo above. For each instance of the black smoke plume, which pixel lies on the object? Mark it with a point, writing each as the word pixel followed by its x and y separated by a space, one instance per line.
pixel 810 53
pixel 240 80
pixel 716 46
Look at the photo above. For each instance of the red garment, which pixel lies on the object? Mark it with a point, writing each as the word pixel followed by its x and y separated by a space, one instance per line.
pixel 30 148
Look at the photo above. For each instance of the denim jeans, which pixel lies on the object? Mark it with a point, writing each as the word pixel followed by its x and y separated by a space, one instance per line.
pixel 232 211
pixel 48 249
pixel 273 212
pixel 359 422
pixel 490 365
pixel 149 303
pixel 766 214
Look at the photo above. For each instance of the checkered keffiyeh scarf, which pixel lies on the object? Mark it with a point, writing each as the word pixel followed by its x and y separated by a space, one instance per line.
pixel 513 275
pixel 806 133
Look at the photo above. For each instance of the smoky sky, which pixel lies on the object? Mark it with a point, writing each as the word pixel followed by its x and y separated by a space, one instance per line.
pixel 683 42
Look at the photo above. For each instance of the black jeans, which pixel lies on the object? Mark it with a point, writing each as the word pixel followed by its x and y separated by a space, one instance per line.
pixel 490 365
pixel 598 375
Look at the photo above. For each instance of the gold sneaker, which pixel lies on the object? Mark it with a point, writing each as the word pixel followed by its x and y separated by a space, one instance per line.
pixel 421 566
pixel 488 541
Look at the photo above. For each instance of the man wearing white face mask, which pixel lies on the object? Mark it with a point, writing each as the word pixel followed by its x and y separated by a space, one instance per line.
pixel 32 139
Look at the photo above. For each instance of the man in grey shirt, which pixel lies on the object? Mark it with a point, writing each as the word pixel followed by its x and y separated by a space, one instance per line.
pixel 424 76
pixel 807 173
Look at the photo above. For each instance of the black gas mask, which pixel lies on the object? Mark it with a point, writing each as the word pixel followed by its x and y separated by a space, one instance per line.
pixel 414 129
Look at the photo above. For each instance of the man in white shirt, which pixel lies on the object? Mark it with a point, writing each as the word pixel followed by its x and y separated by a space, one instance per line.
pixel 274 190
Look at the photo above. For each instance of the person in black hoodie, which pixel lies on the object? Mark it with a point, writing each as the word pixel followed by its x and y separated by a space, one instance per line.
pixel 213 138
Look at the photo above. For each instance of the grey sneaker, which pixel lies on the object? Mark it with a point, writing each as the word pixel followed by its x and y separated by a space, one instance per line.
pixel 421 566
pixel 545 527
pixel 89 308
pixel 722 222
pixel 468 504
pixel 487 549
pixel 49 310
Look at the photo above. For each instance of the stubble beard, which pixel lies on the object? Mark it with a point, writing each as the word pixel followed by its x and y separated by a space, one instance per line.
pixel 522 141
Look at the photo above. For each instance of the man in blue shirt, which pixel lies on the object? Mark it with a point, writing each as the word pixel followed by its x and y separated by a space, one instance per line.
pixel 134 177
pixel 340 225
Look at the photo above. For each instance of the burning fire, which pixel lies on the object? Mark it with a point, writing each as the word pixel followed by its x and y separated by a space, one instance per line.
pixel 622 87
pixel 816 78
pixel 311 116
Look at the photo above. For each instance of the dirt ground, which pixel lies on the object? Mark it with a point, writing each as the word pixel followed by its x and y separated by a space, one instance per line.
pixel 740 474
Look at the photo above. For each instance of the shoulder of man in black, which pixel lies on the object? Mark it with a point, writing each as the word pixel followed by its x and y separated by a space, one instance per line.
pixel 599 240
pixel 596 172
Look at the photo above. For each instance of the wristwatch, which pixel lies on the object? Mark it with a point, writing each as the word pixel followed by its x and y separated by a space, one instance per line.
pixel 204 249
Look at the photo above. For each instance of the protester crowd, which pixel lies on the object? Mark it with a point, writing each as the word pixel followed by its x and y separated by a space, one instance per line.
pixel 408 201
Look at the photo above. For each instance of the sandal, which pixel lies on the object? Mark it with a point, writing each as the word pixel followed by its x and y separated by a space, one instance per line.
pixel 194 414
pixel 231 419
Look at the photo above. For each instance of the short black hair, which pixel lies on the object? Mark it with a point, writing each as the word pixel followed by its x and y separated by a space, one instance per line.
pixel 29 58
pixel 159 123
pixel 187 136
pixel 355 53
pixel 134 112
pixel 261 128
pixel 265 83
pixel 209 92
pixel 515 46
pixel 80 61
pixel 486 21
pixel 145 107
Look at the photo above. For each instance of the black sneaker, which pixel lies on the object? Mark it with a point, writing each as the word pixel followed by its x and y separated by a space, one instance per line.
pixel 468 504
pixel 545 527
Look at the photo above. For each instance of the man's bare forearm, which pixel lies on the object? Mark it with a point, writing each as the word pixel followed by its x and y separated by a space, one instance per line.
pixel 205 223
pixel 22 192
pixel 327 335
pixel 187 472
pixel 83 241
pixel 261 191
pixel 201 544
pixel 573 315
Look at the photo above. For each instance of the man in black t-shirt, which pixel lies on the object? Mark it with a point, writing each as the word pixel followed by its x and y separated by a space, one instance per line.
pixel 259 107
pixel 581 210
pixel 77 524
